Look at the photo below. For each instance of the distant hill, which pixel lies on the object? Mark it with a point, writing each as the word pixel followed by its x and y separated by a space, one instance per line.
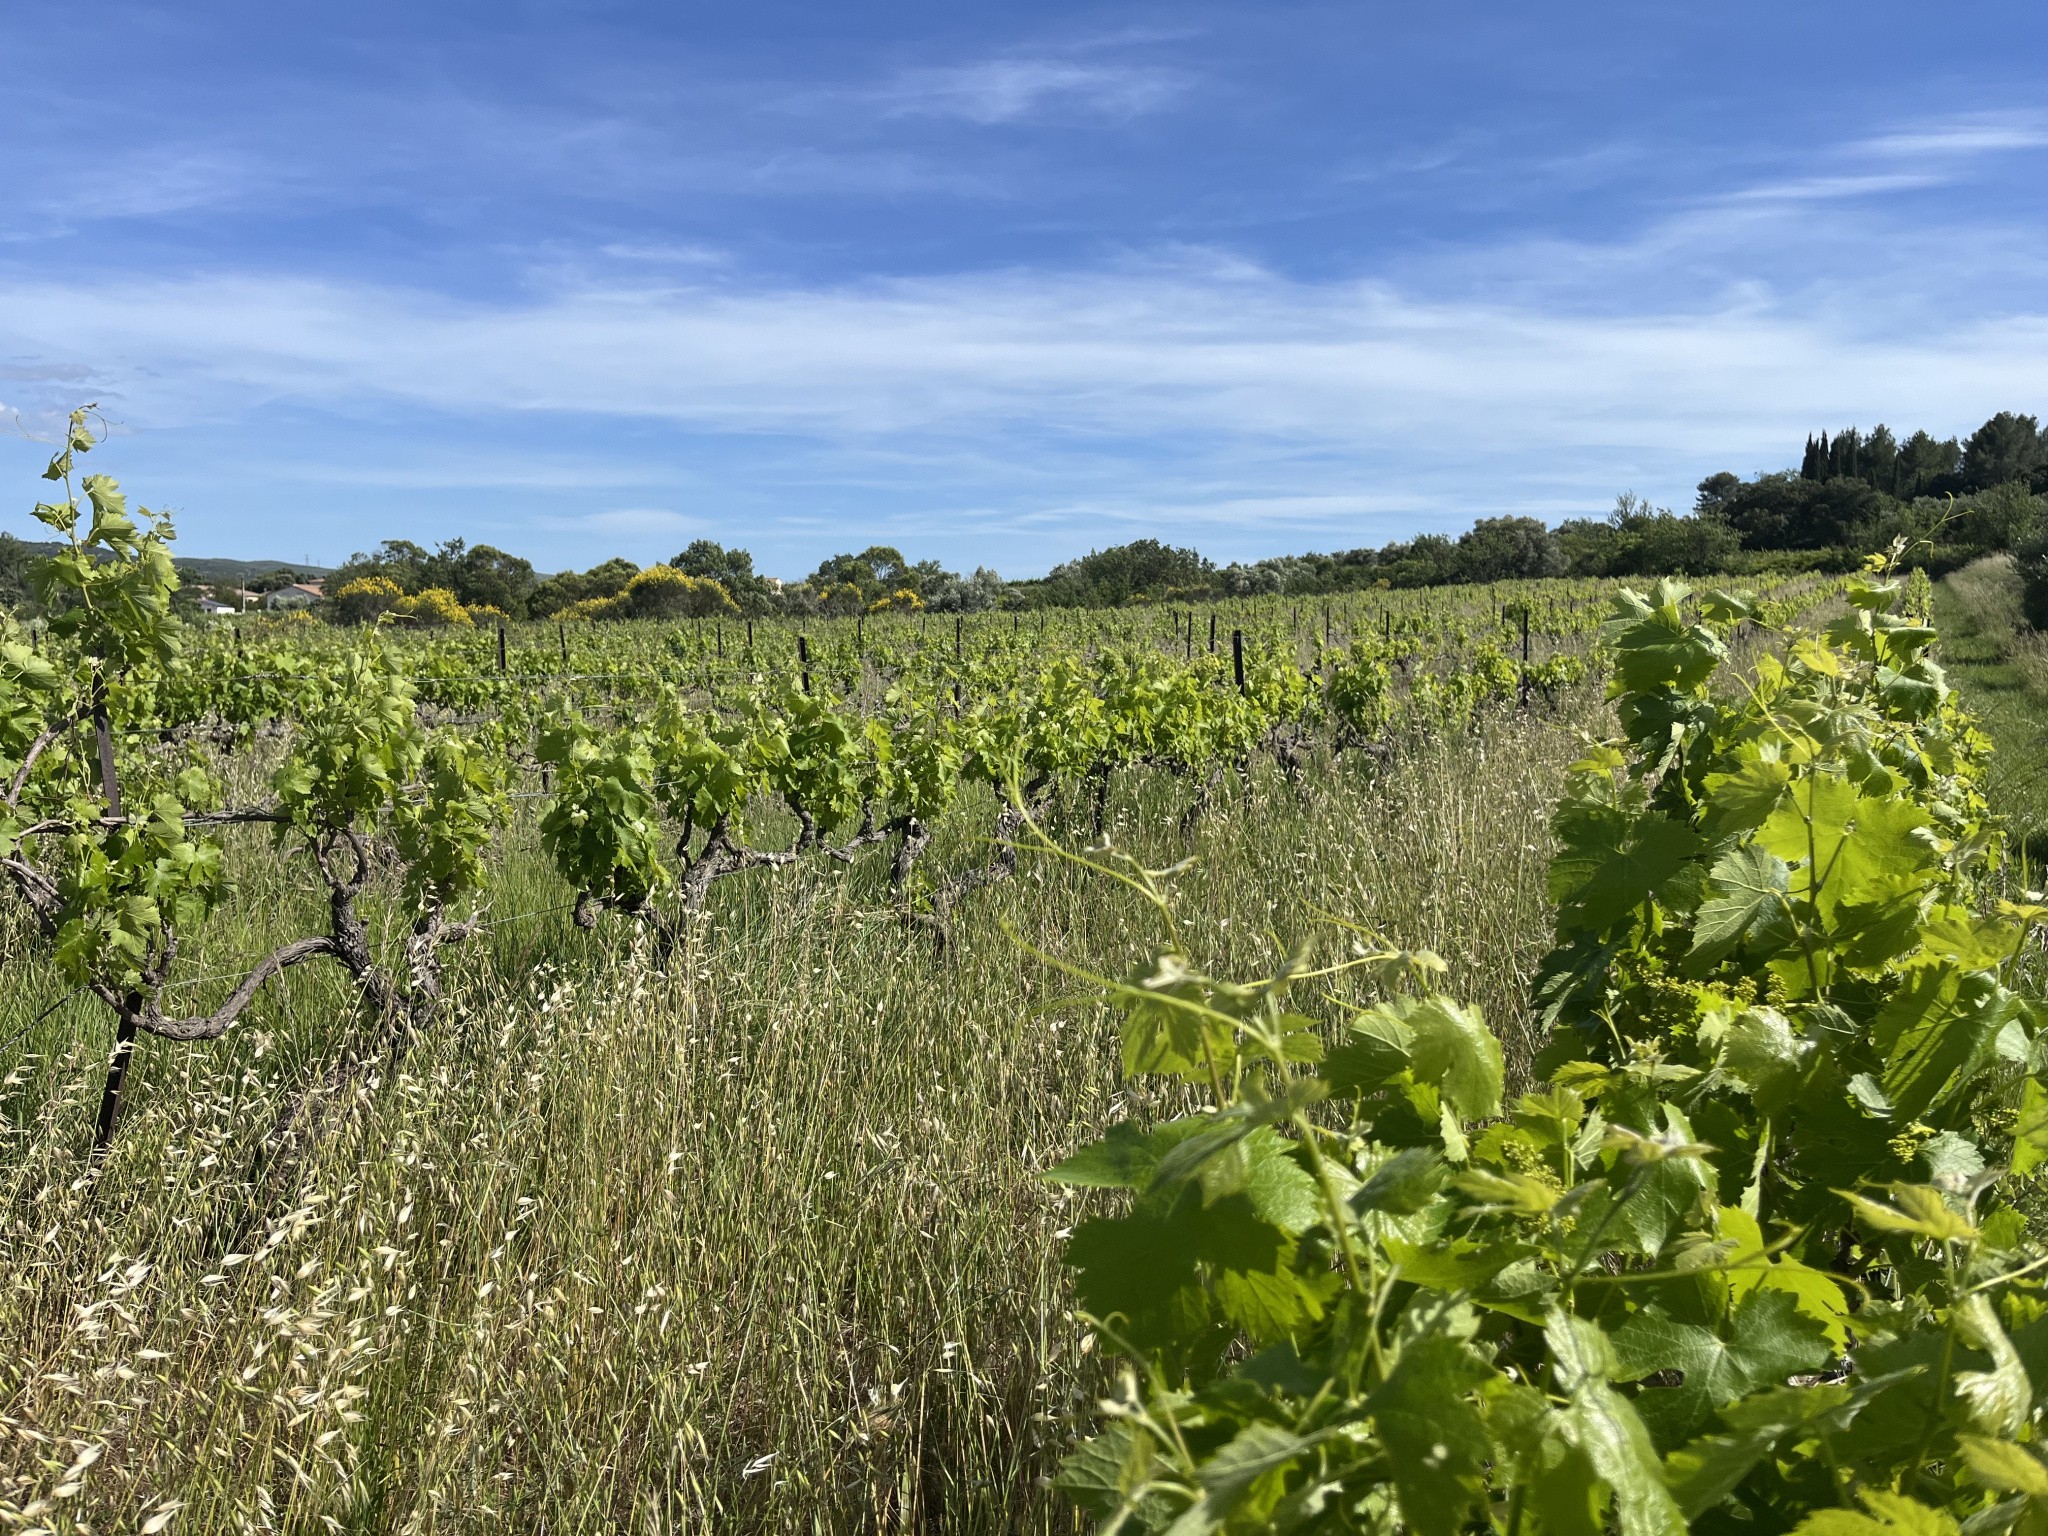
pixel 197 568
pixel 242 570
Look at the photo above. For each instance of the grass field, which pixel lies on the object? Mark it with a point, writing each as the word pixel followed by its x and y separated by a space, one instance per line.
pixel 752 1238
pixel 2001 667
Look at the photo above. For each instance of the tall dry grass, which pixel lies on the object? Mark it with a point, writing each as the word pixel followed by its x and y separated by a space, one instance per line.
pixel 750 1238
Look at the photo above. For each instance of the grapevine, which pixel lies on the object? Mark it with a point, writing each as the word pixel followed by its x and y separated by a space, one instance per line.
pixel 1748 1257
pixel 657 762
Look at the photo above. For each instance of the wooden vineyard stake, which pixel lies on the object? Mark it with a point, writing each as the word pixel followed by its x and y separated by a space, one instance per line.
pixel 131 1005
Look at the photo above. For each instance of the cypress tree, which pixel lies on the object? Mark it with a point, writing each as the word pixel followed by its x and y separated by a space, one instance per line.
pixel 1844 458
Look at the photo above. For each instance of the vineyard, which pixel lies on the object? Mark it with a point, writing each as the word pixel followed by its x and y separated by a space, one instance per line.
pixel 653 765
pixel 589 1077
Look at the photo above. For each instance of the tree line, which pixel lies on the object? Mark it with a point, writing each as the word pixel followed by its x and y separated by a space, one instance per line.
pixel 705 578
pixel 1952 499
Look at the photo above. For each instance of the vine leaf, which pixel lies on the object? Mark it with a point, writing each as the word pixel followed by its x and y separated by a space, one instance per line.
pixel 1759 1050
pixel 1438 1442
pixel 1612 863
pixel 1457 1054
pixel 1750 1269
pixel 1999 1400
pixel 2030 1134
pixel 1891 1514
pixel 2005 1466
pixel 1750 885
pixel 1404 1184
pixel 1743 800
pixel 1127 1157
pixel 1654 648
pixel 1939 1029
pixel 1768 1339
pixel 1236 1476
pixel 1919 1211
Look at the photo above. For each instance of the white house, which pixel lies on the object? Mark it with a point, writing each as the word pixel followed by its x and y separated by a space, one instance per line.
pixel 300 594
pixel 210 607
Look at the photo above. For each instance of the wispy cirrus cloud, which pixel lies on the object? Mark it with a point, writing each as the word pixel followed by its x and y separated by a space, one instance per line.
pixel 1232 359
pixel 1174 385
pixel 1008 90
pixel 627 523
pixel 1933 153
pixel 1009 418
pixel 985 274
pixel 1978 133
pixel 665 254
pixel 161 181
pixel 1811 189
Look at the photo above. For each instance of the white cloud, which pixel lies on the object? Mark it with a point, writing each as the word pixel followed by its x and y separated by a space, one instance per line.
pixel 501 469
pixel 1008 90
pixel 625 522
pixel 1177 387
pixel 1934 154
pixel 1825 188
pixel 1076 357
pixel 161 181
pixel 1975 134
pixel 1018 417
pixel 666 254
pixel 64 373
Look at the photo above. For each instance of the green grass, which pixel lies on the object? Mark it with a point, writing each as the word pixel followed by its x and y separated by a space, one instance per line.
pixel 753 1239
pixel 2000 666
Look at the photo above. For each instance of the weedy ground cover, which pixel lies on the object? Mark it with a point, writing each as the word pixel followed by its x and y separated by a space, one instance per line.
pixel 751 1237
pixel 421 1194
pixel 657 1108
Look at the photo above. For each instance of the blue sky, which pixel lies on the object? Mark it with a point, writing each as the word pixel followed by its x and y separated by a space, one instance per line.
pixel 998 283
